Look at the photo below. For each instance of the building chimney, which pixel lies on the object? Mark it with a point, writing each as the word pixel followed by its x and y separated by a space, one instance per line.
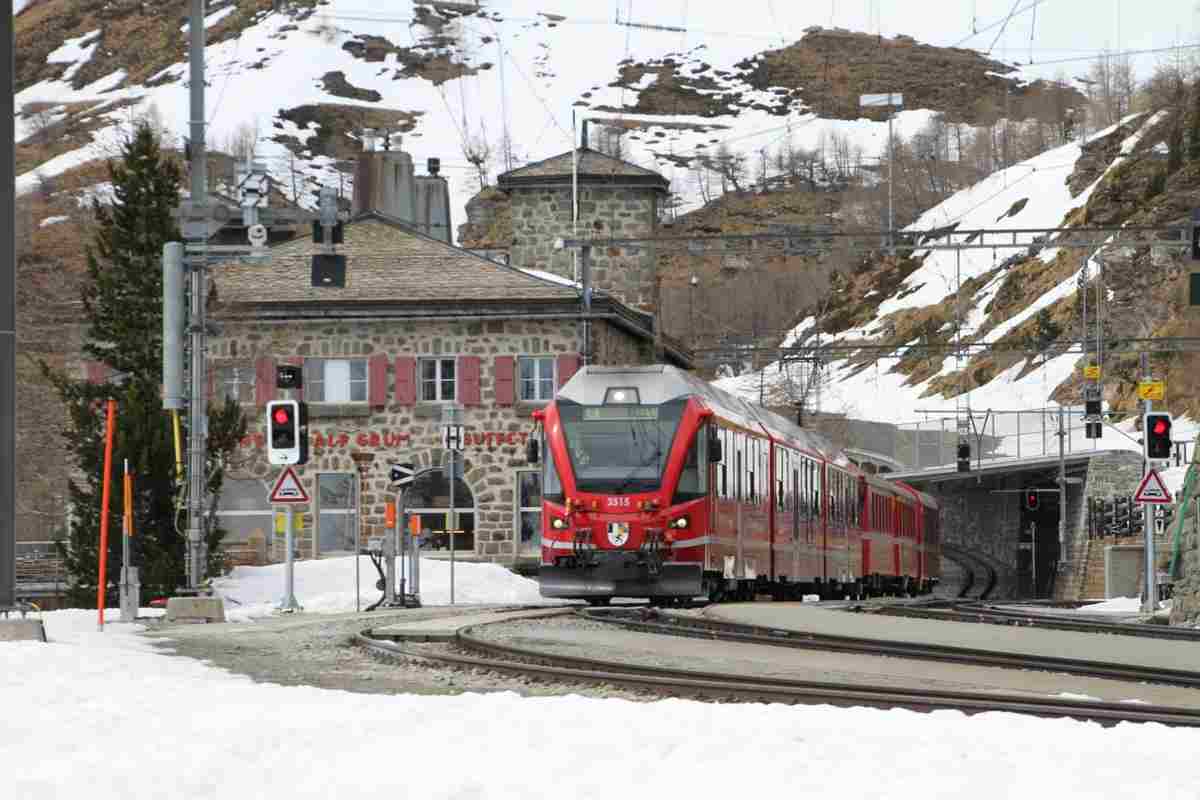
pixel 584 144
pixel 434 166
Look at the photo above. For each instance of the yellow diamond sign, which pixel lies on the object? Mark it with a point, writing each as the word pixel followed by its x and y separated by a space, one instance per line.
pixel 1151 390
pixel 1091 372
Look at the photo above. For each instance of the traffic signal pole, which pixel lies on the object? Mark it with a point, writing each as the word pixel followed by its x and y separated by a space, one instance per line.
pixel 1150 600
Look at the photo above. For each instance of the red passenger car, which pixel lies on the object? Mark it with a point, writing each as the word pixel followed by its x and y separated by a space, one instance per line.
pixel 658 485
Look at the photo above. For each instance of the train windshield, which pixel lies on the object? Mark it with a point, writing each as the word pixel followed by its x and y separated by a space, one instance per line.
pixel 619 449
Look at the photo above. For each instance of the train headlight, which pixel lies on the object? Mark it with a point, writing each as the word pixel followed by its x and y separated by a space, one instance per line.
pixel 558 523
pixel 680 523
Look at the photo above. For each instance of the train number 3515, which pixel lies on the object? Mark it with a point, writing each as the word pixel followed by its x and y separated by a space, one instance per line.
pixel 619 502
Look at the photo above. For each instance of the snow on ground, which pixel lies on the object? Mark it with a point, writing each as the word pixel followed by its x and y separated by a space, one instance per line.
pixel 1115 605
pixel 327 586
pixel 52 221
pixel 106 715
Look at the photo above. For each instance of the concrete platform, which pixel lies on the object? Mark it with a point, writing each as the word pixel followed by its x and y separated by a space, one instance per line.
pixel 809 618
pixel 195 609
pixel 443 628
pixel 566 637
pixel 22 630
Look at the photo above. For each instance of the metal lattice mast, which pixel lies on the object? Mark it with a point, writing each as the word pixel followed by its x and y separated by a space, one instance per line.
pixel 8 323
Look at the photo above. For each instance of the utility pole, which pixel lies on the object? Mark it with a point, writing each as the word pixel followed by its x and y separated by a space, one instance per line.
pixel 197 236
pixel 8 321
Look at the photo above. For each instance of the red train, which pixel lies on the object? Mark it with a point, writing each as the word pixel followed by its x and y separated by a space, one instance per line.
pixel 658 485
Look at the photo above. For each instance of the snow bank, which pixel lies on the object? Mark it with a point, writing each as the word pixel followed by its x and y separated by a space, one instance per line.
pixel 91 715
pixel 327 586
pixel 1116 605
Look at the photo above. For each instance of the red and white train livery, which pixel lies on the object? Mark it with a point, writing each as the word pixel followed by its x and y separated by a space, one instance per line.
pixel 657 484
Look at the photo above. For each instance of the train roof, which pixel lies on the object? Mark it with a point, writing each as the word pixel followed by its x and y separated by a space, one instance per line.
pixel 660 383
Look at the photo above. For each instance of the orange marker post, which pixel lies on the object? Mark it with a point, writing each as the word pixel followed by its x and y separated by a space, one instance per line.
pixel 104 498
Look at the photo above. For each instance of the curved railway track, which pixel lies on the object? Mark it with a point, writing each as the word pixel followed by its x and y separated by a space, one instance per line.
pixel 978 576
pixel 998 615
pixel 471 651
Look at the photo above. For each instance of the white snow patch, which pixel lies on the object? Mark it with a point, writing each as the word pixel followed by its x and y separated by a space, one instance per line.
pixel 96 695
pixel 327 586
pixel 211 19
pixel 1076 696
pixel 76 52
pixel 1116 605
pixel 52 221
pixel 550 276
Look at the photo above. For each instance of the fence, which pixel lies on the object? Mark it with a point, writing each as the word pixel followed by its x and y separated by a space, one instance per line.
pixel 997 435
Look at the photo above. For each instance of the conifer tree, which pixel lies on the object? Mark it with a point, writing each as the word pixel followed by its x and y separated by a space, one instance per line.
pixel 122 301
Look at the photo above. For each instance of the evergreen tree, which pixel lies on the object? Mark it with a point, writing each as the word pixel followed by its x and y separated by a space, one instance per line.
pixel 122 301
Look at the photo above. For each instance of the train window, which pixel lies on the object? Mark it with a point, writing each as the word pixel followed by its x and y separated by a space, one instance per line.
pixel 551 484
pixel 753 493
pixel 779 495
pixel 738 475
pixel 693 479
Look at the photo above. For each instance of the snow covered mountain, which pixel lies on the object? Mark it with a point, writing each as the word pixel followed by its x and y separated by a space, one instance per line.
pixel 483 86
pixel 1013 296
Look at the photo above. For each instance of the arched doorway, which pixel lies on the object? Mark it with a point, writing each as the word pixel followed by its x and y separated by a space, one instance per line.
pixel 428 497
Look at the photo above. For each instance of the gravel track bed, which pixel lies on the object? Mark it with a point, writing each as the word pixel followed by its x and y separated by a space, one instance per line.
pixel 304 650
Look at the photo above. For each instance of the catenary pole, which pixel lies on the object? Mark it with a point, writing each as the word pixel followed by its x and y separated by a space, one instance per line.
pixel 198 400
pixel 8 322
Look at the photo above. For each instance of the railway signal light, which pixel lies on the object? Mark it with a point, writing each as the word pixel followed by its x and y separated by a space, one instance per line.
pixel 1121 521
pixel 964 457
pixel 1137 518
pixel 1032 501
pixel 287 432
pixel 1156 432
pixel 1108 517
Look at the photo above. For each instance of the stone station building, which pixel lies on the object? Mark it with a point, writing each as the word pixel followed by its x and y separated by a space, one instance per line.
pixel 418 324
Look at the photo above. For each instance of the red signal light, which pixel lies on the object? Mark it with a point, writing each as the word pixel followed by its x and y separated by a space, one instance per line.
pixel 1161 427
pixel 282 416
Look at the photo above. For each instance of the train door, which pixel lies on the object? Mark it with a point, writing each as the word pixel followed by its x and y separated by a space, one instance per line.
pixel 795 532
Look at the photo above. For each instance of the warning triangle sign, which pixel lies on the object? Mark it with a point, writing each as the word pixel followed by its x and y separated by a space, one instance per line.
pixel 288 489
pixel 1152 490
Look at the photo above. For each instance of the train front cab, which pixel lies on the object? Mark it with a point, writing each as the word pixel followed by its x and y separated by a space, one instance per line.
pixel 615 525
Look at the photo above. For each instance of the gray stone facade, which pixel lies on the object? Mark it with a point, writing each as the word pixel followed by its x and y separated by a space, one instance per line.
pixel 399 433
pixel 986 523
pixel 542 214
pixel 1112 474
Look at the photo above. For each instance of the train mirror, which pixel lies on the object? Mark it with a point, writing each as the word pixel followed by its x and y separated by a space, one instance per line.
pixel 714 446
pixel 531 451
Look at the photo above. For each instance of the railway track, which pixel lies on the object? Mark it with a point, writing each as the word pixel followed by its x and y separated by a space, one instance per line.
pixel 471 651
pixel 997 615
pixel 714 629
pixel 978 576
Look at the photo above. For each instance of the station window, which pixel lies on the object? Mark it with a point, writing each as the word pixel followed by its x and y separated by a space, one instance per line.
pixel 537 378
pixel 235 383
pixel 335 512
pixel 243 511
pixel 437 380
pixel 335 380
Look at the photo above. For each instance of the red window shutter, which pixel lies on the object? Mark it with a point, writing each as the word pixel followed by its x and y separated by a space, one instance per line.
pixel 95 371
pixel 568 365
pixel 505 386
pixel 468 380
pixel 377 385
pixel 264 380
pixel 298 361
pixel 406 380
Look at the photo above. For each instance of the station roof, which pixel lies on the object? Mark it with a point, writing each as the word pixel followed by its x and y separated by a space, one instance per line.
pixel 997 467
pixel 593 167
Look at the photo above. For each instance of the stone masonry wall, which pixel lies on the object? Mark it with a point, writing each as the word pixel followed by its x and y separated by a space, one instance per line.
pixel 399 433
pixel 1108 475
pixel 1185 609
pixel 542 215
